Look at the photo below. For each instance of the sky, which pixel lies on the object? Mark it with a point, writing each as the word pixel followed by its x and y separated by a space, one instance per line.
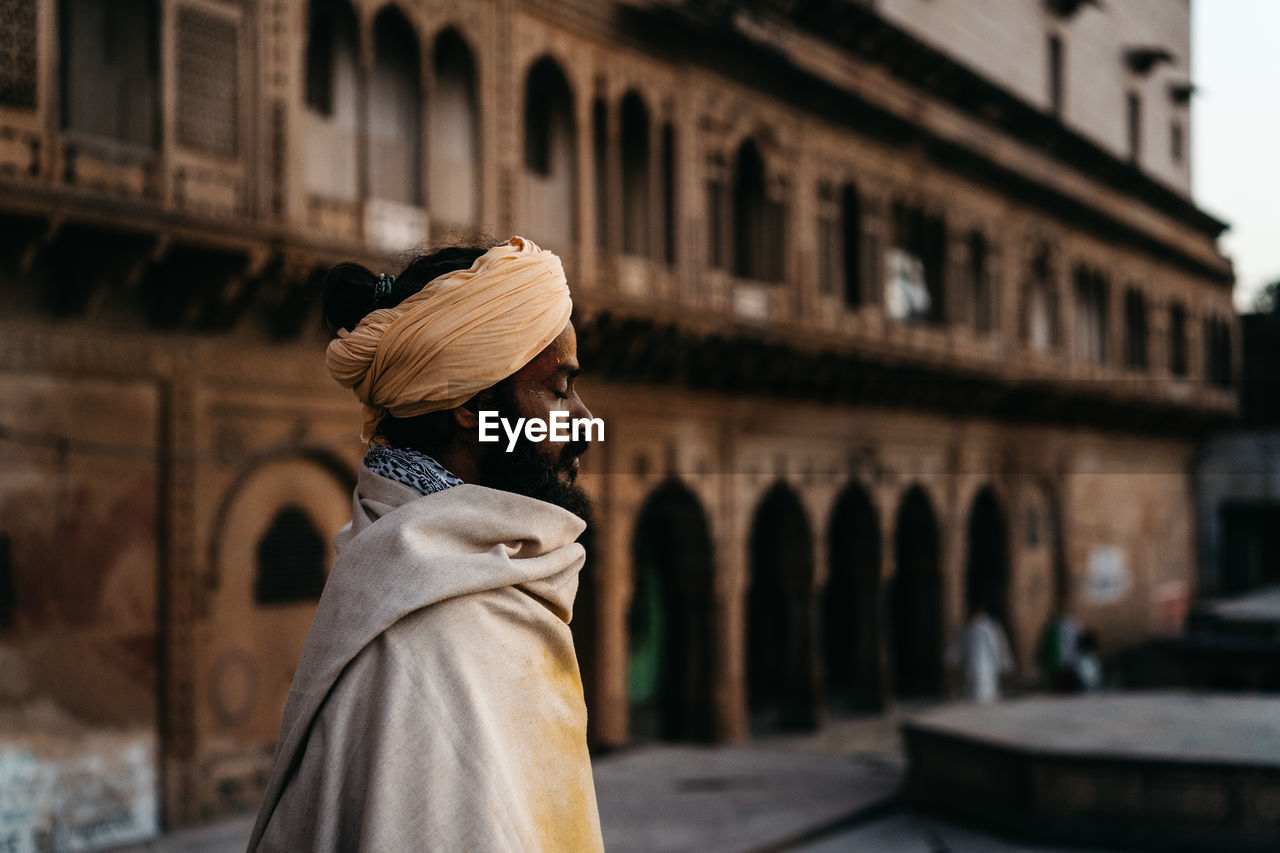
pixel 1235 144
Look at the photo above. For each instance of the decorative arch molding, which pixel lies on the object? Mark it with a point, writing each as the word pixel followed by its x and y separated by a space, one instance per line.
pixel 555 54
pixel 323 468
pixel 934 493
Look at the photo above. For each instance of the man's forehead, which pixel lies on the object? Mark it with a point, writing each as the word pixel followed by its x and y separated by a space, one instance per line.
pixel 559 357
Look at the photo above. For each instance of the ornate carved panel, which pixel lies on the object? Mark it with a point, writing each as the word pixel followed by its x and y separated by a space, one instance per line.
pixel 207 83
pixel 18 53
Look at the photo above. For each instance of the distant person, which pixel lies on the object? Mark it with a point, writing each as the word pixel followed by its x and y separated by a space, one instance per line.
pixel 1056 652
pixel 1088 665
pixel 438 704
pixel 980 653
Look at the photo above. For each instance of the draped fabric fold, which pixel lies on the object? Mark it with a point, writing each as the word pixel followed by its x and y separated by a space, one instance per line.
pixel 438 704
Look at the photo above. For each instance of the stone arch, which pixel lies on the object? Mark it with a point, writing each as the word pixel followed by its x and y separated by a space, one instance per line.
pixel 851 604
pixel 670 619
pixel 916 598
pixel 322 468
pixel 782 664
pixel 454 153
pixel 550 155
pixel 636 160
pixel 274 504
pixel 987 569
pixel 394 105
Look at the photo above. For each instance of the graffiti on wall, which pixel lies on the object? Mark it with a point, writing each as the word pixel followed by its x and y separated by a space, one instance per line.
pixel 64 789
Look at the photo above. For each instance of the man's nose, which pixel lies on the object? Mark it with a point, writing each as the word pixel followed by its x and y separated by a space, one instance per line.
pixel 580 409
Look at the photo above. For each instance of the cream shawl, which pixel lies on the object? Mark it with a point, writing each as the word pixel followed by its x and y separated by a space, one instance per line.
pixel 437 704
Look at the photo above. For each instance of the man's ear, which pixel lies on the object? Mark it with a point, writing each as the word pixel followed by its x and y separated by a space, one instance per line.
pixel 466 415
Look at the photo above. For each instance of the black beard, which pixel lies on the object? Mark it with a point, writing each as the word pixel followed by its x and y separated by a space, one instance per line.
pixel 528 471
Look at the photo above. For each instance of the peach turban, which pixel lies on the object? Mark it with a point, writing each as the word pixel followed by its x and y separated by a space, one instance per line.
pixel 462 333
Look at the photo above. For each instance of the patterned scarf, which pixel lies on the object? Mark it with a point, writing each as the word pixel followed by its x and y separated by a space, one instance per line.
pixel 416 470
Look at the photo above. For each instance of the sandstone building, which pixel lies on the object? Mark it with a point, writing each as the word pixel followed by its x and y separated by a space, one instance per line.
pixel 888 306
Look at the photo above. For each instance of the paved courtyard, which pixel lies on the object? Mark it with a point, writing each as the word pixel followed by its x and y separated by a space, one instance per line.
pixel 824 793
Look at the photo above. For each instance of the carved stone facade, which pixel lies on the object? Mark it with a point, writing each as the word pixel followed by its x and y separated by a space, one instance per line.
pixel 802 485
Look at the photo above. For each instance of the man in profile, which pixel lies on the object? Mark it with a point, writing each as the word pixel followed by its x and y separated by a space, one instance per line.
pixel 438 704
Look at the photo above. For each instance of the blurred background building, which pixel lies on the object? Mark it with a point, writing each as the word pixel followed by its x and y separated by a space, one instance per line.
pixel 890 307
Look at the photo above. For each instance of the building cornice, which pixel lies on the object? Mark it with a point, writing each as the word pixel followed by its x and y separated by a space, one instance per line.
pixel 713 34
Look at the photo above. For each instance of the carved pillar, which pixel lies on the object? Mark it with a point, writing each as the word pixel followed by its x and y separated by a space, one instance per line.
pixel 177 598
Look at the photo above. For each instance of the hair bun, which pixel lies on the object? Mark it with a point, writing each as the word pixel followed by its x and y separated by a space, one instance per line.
pixel 349 295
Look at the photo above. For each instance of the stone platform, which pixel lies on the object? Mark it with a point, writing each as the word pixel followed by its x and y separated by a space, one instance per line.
pixel 1159 770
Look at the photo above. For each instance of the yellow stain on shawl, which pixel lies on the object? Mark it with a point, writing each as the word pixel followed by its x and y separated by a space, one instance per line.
pixel 564 811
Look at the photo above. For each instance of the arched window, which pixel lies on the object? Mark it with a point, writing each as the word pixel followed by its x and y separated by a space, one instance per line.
pixel 1040 304
pixel 635 175
pixel 759 223
pixel 829 254
pixel 917 286
pixel 1092 320
pixel 718 221
pixel 331 121
pixel 1135 329
pixel 291 558
pixel 110 56
pixel 851 245
pixel 1178 361
pixel 395 111
pixel 1217 350
pixel 600 161
pixel 550 155
pixel 984 301
pixel 454 150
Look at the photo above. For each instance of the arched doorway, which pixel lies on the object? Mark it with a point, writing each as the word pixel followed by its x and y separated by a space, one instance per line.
pixel 583 627
pixel 670 620
pixel 851 618
pixel 986 573
pixel 782 671
pixel 916 600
